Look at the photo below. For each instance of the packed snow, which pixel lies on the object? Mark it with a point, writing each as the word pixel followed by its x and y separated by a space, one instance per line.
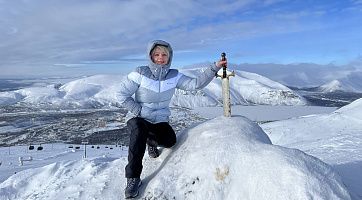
pixel 223 158
pixel 335 138
pixel 51 153
pixel 232 158
pixel 265 113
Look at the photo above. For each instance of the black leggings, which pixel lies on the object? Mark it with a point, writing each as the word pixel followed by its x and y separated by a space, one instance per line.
pixel 140 130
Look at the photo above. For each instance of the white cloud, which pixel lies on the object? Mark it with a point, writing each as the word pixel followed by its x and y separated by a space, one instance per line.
pixel 358 2
pixel 45 32
pixel 69 31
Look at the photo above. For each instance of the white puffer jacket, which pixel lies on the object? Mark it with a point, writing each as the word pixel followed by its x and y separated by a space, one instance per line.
pixel 154 85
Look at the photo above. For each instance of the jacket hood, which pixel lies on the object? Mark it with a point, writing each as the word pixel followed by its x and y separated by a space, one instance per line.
pixel 159 71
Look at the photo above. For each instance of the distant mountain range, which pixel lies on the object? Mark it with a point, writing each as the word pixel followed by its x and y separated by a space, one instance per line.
pixel 245 88
pixel 307 75
pixel 100 91
pixel 350 83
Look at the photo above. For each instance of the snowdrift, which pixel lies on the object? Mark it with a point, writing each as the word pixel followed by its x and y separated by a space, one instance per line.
pixel 353 110
pixel 335 138
pixel 239 162
pixel 224 158
pixel 340 128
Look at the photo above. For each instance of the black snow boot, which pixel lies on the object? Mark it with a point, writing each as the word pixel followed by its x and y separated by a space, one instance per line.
pixel 153 151
pixel 133 184
pixel 152 148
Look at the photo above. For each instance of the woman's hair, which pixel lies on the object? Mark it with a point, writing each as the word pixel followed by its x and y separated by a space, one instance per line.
pixel 161 48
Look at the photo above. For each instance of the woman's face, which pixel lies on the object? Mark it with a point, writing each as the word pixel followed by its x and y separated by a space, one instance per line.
pixel 159 57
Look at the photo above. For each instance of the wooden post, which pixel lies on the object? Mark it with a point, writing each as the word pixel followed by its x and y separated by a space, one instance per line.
pixel 226 88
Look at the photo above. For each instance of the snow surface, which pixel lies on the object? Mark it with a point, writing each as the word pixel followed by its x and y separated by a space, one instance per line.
pixel 210 161
pixel 335 138
pixel 51 153
pixel 238 157
pixel 100 91
pixel 264 113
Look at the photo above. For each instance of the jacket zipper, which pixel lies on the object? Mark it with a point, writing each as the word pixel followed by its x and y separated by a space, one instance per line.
pixel 159 88
pixel 159 81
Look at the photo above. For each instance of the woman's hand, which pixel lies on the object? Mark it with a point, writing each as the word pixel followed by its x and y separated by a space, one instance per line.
pixel 221 63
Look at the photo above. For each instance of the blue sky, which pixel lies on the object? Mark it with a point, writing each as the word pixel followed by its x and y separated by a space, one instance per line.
pixel 64 37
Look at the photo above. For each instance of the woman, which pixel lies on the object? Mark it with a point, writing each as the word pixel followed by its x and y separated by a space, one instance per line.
pixel 148 118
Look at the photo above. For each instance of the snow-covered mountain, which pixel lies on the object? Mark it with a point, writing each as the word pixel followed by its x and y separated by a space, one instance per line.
pixel 210 161
pixel 100 91
pixel 350 83
pixel 88 92
pixel 335 138
pixel 332 86
pixel 245 88
pixel 304 75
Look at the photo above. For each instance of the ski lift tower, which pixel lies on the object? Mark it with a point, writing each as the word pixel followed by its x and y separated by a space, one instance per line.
pixel 226 87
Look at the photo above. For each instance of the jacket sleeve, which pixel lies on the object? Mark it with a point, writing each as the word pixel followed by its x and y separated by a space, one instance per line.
pixel 189 83
pixel 128 87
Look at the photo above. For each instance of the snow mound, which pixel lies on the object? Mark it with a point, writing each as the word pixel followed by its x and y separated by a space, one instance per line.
pixel 335 138
pixel 339 127
pixel 353 109
pixel 210 161
pixel 239 162
pixel 98 178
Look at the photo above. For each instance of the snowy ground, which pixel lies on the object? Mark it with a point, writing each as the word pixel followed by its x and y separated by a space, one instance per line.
pixel 10 155
pixel 210 161
pixel 51 153
pixel 335 138
pixel 59 171
pixel 262 113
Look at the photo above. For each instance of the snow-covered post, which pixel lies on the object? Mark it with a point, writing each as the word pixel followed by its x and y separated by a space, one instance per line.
pixel 85 148
pixel 21 162
pixel 22 159
pixel 226 88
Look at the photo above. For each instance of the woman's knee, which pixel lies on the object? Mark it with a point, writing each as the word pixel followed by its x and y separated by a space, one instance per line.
pixel 170 142
pixel 135 123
